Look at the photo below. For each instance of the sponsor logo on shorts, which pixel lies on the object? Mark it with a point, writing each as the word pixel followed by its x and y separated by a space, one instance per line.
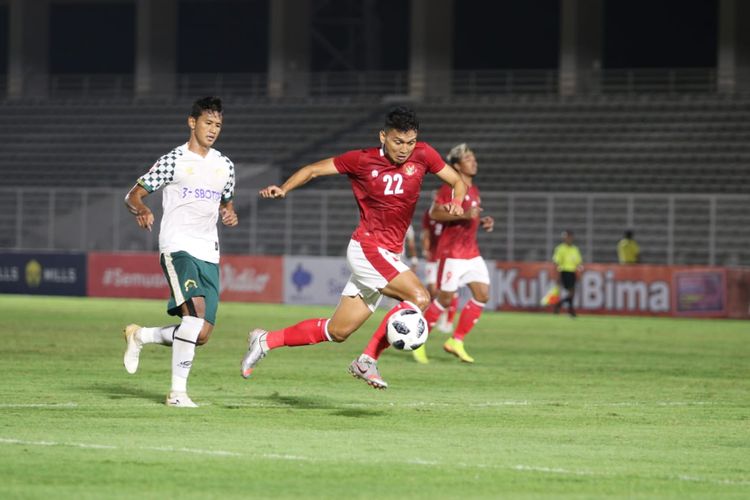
pixel 190 284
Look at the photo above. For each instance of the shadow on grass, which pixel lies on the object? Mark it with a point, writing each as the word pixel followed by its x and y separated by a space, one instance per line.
pixel 318 403
pixel 358 413
pixel 122 391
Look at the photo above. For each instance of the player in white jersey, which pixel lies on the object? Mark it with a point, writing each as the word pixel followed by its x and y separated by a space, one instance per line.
pixel 198 186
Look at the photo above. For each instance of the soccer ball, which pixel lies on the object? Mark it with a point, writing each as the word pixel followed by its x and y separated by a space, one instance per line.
pixel 407 329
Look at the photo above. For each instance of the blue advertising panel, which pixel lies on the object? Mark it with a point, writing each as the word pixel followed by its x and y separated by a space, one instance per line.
pixel 320 281
pixel 314 280
pixel 43 273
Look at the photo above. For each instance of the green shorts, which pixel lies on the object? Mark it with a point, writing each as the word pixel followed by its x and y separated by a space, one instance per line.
pixel 189 277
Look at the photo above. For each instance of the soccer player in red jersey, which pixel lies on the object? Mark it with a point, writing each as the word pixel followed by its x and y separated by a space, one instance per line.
pixel 460 261
pixel 431 231
pixel 386 182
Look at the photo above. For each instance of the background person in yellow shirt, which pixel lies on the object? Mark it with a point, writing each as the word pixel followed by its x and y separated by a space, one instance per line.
pixel 568 260
pixel 628 251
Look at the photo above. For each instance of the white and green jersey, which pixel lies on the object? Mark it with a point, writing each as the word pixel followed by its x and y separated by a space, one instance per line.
pixel 194 187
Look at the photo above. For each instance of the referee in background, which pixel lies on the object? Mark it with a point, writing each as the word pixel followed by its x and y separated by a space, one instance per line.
pixel 568 260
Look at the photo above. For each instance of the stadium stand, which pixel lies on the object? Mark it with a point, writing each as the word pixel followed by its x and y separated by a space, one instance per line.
pixel 592 164
pixel 685 144
pixel 690 144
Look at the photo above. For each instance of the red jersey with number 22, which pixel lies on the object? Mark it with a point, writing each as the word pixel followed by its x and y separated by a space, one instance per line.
pixel 459 238
pixel 386 193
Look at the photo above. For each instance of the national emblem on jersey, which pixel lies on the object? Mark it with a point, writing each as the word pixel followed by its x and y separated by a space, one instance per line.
pixel 409 169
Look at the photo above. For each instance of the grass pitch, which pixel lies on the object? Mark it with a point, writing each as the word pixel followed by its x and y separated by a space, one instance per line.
pixel 587 408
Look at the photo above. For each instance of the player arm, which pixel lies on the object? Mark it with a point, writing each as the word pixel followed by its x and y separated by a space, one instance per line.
pixel 450 176
pixel 134 202
pixel 228 215
pixel 300 178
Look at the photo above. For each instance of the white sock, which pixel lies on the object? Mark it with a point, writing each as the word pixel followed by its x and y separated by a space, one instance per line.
pixel 183 351
pixel 162 335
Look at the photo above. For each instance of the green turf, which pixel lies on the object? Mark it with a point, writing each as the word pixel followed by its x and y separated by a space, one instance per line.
pixel 587 408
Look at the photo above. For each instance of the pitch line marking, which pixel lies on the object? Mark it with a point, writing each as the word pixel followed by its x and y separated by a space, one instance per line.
pixel 414 404
pixel 38 405
pixel 415 461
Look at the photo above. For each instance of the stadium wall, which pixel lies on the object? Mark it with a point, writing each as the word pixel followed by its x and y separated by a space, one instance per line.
pixel 646 290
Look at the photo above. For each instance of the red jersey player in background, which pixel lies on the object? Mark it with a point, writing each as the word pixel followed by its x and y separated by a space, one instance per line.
pixel 458 253
pixel 386 182
pixel 431 230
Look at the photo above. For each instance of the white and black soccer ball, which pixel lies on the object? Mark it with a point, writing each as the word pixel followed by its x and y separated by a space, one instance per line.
pixel 407 329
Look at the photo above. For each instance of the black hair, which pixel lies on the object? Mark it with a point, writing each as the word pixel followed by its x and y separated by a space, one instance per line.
pixel 402 119
pixel 210 103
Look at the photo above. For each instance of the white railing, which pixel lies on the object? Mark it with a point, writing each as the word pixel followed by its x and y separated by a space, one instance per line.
pixel 672 229
pixel 385 83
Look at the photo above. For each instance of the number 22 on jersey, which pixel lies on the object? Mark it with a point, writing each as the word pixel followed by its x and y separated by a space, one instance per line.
pixel 393 184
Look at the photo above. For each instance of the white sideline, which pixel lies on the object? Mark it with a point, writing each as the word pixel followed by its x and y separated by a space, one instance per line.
pixel 38 405
pixel 488 404
pixel 413 461
pixel 413 404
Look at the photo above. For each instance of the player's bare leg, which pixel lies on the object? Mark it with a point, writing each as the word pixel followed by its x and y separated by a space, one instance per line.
pixel 469 316
pixel 406 286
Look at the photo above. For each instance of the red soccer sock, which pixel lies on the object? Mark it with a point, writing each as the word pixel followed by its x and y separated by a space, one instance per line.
pixel 432 314
pixel 379 341
pixel 469 316
pixel 452 309
pixel 310 331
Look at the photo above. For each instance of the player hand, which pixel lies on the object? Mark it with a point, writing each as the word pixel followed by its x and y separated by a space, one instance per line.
pixel 488 223
pixel 145 218
pixel 272 191
pixel 228 217
pixel 454 208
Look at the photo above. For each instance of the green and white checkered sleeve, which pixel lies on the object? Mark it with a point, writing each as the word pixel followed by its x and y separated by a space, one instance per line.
pixel 161 173
pixel 228 193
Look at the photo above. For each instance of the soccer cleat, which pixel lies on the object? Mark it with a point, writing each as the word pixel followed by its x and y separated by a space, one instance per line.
pixel 420 355
pixel 456 347
pixel 133 347
pixel 180 400
pixel 367 370
pixel 256 350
